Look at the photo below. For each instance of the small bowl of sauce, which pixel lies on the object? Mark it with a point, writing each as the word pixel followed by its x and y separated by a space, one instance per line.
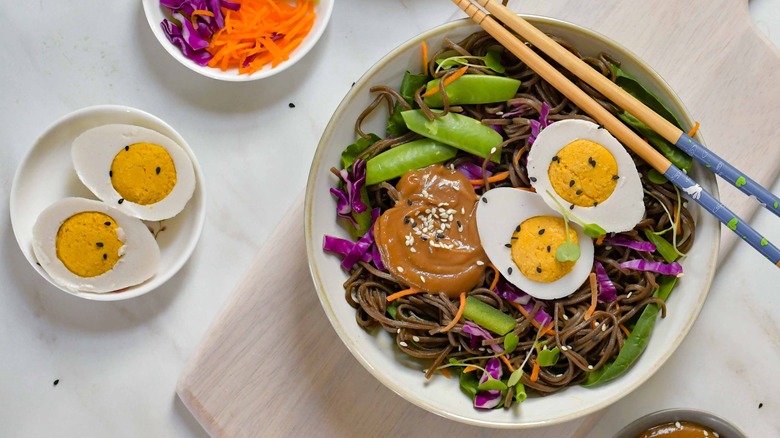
pixel 680 423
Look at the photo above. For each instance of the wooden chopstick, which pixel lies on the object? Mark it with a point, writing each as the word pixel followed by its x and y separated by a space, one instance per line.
pixel 632 105
pixel 620 130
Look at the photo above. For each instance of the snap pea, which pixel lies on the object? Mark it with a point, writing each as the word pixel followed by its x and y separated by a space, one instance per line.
pixel 663 246
pixel 488 316
pixel 474 89
pixel 409 156
pixel 409 84
pixel 462 132
pixel 636 343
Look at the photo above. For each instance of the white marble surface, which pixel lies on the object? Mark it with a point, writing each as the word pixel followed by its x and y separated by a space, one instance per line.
pixel 116 364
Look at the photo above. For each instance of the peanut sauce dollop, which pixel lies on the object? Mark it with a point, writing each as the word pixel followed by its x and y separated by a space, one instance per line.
pixel 429 239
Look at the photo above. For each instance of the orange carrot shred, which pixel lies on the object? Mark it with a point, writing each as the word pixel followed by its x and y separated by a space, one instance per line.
pixel 446 373
pixel 425 58
pixel 403 293
pixel 204 12
pixel 494 283
pixel 508 364
pixel 493 179
pixel 457 315
pixel 600 240
pixel 625 330
pixel 450 79
pixel 694 130
pixel 260 32
pixel 535 372
pixel 469 369
pixel 594 291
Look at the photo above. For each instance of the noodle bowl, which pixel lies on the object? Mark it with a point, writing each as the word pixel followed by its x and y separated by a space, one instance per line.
pixel 414 332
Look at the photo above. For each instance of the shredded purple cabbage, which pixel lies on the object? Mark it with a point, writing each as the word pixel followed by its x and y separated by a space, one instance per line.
pixel 341 246
pixel 473 169
pixel 348 199
pixel 192 35
pixel 541 316
pixel 364 249
pixel 510 293
pixel 537 126
pixel 476 332
pixel 650 266
pixel 489 399
pixel 620 240
pixel 607 291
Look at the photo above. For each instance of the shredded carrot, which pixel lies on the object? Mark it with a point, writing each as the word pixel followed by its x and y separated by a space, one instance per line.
pixel 446 373
pixel 600 240
pixel 594 291
pixel 204 12
pixel 425 58
pixel 495 278
pixel 457 315
pixel 535 323
pixel 535 372
pixel 469 369
pixel 450 79
pixel 403 293
pixel 625 330
pixel 508 364
pixel 260 32
pixel 493 179
pixel 694 130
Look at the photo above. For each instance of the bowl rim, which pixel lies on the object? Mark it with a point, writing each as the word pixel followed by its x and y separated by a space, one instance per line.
pixel 311 239
pixel 701 417
pixel 199 196
pixel 232 76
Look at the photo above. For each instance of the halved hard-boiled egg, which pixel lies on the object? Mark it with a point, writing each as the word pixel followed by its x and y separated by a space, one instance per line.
pixel 579 165
pixel 521 234
pixel 137 170
pixel 86 245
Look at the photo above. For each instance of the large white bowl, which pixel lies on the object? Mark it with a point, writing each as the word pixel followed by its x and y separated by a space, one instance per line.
pixel 156 13
pixel 376 350
pixel 46 175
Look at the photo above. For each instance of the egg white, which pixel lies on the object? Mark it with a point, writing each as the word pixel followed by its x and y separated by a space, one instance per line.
pixel 94 150
pixel 625 206
pixel 496 222
pixel 139 262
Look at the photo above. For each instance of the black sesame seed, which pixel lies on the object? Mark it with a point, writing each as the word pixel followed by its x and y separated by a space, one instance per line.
pixel 541 231
pixel 414 224
pixel 105 256
pixel 538 270
pixel 157 170
pixel 513 238
pixel 121 200
pixel 760 405
pixel 509 270
pixel 406 219
pixel 595 203
pixel 99 244
pixel 291 105
pixel 578 192
pixel 108 224
pixel 110 173
pixel 571 183
pixel 484 199
pixel 517 229
pixel 571 207
pixel 615 177
pixel 508 245
pixel 424 238
pixel 592 162
pixel 532 179
pixel 127 148
pixel 459 224
pixel 56 382
pixel 353 84
pixel 555 158
pixel 548 248
pixel 440 236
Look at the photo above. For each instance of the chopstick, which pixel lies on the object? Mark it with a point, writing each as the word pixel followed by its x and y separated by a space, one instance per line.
pixel 629 103
pixel 622 132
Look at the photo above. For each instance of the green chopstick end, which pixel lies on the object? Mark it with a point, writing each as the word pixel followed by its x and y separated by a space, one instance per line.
pixel 732 224
pixel 741 181
pixel 776 204
pixel 764 242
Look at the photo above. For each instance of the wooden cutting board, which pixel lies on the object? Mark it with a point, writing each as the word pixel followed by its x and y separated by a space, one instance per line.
pixel 271 365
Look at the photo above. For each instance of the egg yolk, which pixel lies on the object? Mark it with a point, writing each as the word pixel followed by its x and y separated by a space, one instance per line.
pixel 584 173
pixel 143 173
pixel 87 244
pixel 534 243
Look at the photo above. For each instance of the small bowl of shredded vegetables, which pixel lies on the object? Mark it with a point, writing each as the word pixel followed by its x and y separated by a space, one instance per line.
pixel 238 40
pixel 488 252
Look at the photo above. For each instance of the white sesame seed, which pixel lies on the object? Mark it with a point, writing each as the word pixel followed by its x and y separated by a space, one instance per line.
pixel 716 434
pixel 400 269
pixel 427 211
pixel 416 338
pixel 563 348
pixel 590 367
pixel 493 151
pixel 403 344
pixel 480 263
pixel 604 328
pixel 629 295
pixel 398 330
pixel 462 210
pixel 565 318
pixel 412 249
pixel 422 279
pixel 677 425
pixel 706 433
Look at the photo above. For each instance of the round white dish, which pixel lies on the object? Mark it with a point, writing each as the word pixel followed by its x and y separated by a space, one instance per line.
pixel 46 175
pixel 376 350
pixel 156 13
